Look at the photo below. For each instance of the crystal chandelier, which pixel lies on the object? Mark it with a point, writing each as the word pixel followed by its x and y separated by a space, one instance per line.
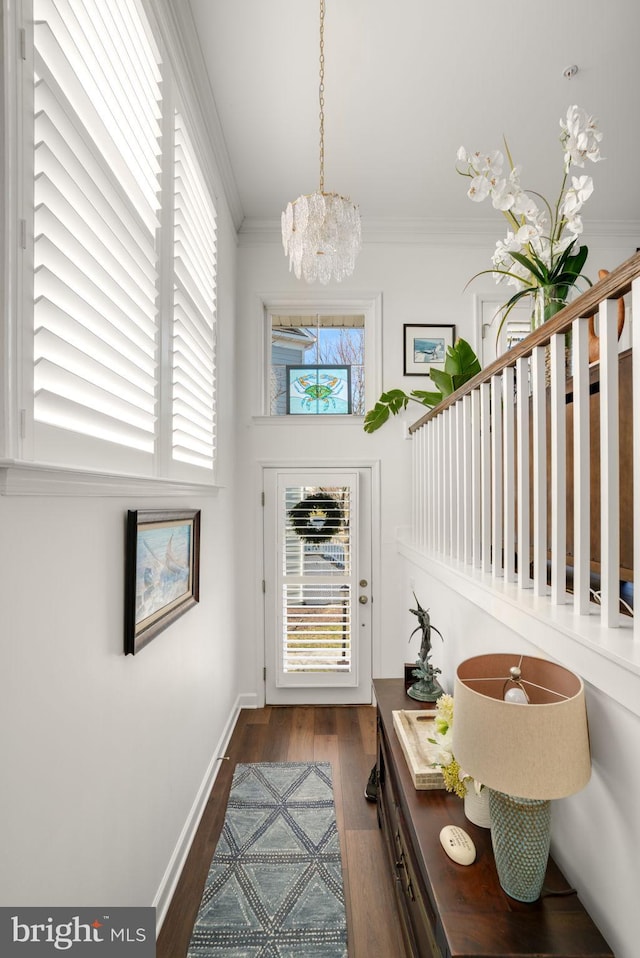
pixel 321 231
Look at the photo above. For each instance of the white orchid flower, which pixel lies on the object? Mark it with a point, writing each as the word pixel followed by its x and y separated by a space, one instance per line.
pixel 502 196
pixel 581 138
pixel 541 234
pixel 527 233
pixel 578 194
pixel 525 205
pixel 503 248
pixel 491 162
pixel 574 226
pixel 540 219
pixel 482 164
pixel 519 277
pixel 479 189
pixel 443 753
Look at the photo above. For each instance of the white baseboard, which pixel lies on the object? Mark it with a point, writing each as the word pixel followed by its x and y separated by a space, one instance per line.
pixel 178 858
pixel 248 700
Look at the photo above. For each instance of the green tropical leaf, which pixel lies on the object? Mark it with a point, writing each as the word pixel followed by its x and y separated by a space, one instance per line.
pixel 500 272
pixel 532 266
pixel 573 264
pixel 461 364
pixel 396 399
pixel 376 417
pixel 451 362
pixel 443 380
pixel 469 362
pixel 540 263
pixel 460 381
pixel 426 398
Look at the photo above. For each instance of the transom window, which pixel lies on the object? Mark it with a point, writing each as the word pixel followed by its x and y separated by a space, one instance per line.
pixel 317 365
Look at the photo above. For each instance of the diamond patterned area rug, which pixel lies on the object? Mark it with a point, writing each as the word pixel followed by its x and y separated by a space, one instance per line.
pixel 274 889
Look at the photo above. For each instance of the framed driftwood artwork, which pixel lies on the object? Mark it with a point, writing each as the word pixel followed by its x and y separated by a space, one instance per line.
pixel 162 571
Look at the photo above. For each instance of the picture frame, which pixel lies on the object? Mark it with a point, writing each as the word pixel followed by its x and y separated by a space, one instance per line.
pixel 162 571
pixel 425 345
pixel 318 389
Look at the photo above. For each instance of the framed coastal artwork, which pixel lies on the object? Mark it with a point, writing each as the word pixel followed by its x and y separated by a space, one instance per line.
pixel 162 571
pixel 426 346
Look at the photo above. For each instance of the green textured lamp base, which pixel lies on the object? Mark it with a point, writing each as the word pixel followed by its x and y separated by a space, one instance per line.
pixel 521 835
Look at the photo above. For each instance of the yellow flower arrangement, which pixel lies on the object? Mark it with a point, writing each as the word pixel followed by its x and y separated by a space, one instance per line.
pixel 455 779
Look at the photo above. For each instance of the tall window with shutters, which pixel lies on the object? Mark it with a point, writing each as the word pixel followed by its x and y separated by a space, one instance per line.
pixel 124 247
pixel 194 303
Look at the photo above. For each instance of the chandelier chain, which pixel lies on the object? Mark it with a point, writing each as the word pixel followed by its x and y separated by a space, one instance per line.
pixel 321 95
pixel 321 232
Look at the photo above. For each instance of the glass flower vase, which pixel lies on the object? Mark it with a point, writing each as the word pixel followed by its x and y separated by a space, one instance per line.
pixel 547 301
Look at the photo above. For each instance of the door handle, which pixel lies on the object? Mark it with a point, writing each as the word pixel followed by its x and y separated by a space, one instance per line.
pixel 363 600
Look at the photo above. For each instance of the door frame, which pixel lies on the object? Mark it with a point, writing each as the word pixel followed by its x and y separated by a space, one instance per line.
pixel 303 465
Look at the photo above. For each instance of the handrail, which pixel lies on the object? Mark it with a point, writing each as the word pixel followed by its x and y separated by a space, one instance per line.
pixel 613 286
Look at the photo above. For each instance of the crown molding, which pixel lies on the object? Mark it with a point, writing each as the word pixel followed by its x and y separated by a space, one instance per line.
pixel 441 233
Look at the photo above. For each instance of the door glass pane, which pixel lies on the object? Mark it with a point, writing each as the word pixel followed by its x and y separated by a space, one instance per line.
pixel 316 579
pixel 317 628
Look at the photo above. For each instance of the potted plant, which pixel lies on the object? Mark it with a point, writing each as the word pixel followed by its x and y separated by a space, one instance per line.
pixel 460 365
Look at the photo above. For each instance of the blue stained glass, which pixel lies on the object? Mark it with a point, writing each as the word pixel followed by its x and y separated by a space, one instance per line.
pixel 319 390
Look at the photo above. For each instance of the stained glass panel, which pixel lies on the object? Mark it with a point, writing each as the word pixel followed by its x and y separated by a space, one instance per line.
pixel 324 390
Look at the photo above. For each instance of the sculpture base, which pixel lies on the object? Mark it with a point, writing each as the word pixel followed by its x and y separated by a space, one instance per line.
pixel 424 691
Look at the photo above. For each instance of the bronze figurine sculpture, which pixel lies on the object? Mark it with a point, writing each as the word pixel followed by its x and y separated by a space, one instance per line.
pixel 427 688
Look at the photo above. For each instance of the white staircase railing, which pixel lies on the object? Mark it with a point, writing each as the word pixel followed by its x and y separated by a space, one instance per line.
pixel 497 484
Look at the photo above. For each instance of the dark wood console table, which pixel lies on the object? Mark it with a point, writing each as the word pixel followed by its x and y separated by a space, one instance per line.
pixel 452 911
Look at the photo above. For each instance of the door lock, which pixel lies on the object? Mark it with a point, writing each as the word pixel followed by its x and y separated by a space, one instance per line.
pixel 363 600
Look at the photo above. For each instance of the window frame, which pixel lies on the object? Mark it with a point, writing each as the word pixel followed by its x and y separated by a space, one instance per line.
pixel 87 461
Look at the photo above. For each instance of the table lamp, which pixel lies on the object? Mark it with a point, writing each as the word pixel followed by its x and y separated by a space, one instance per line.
pixel 520 728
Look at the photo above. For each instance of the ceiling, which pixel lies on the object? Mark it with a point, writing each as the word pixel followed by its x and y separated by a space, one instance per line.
pixel 409 81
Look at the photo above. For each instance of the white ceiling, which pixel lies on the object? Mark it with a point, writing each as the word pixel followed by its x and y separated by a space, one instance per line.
pixel 409 81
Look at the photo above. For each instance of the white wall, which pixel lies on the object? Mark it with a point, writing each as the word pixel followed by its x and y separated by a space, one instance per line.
pixel 103 754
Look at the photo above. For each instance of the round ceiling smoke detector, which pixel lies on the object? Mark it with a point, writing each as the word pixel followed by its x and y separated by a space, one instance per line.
pixel 570 72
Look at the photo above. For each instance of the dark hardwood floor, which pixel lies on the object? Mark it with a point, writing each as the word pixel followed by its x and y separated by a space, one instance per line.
pixel 346 737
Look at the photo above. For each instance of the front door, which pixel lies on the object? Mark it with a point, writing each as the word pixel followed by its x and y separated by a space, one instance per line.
pixel 317 582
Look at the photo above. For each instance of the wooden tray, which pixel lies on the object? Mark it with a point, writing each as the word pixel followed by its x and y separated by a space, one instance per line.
pixel 414 729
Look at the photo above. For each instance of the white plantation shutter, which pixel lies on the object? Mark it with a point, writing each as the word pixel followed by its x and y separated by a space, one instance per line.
pixel 96 212
pixel 194 309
